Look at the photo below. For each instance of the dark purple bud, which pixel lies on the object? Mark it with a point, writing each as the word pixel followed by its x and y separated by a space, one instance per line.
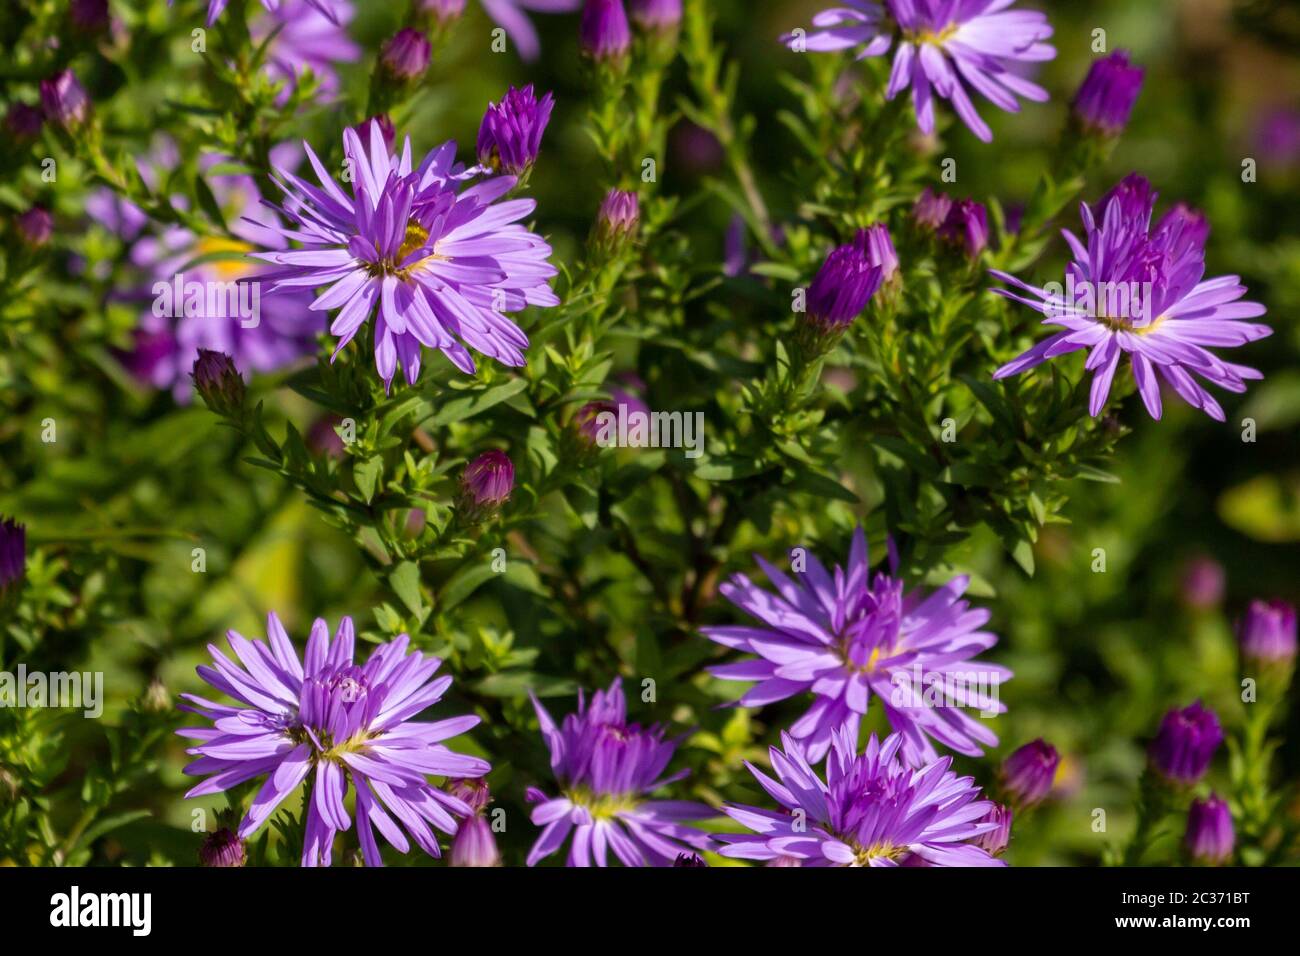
pixel 13 556
pixel 1203 583
pixel 1028 774
pixel 89 16
pixel 1106 98
pixel 489 478
pixel 35 226
pixel 406 54
pixel 1136 199
pixel 658 15
pixel 603 30
pixel 1266 633
pixel 1209 839
pixel 510 136
pixel 1185 744
pixel 223 848
pixel 842 287
pixel 875 244
pixel 997 839
pixel 690 860
pixel 589 422
pixel 218 382
pixel 967 225
pixel 931 209
pixel 64 100
pixel 24 122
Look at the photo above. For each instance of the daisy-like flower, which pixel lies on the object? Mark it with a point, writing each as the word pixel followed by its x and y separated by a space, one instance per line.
pixel 944 47
pixel 606 769
pixel 846 637
pixel 871 810
pixel 437 267
pixel 327 718
pixel 1140 291
pixel 510 16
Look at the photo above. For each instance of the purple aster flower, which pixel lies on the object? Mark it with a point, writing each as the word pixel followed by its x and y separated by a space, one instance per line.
pixel 510 136
pixel 1209 838
pixel 1106 97
pixel 656 14
pixel 944 47
pixel 1267 632
pixel 874 243
pixel 489 479
pixel 931 209
pixel 603 30
pixel 847 637
pixel 871 810
pixel 340 723
pixel 13 556
pixel 23 121
pixel 433 265
pixel 1203 582
pixel 617 219
pixel 300 37
pixel 842 287
pixel 406 54
pixel 64 100
pixel 1028 774
pixel 509 14
pixel 1185 744
pixel 607 769
pixel 967 226
pixel 223 848
pixel 35 226
pixel 1137 290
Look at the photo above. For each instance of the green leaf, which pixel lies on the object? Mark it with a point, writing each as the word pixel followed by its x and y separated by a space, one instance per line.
pixel 405 582
pixel 366 475
pixel 477 402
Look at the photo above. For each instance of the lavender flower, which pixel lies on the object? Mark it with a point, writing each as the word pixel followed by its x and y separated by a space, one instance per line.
pixel 604 31
pixel 474 845
pixel 966 226
pixel 874 244
pixel 510 16
pixel 931 209
pixel 64 100
pixel 606 768
pixel 510 136
pixel 1028 773
pixel 23 121
pixel 1267 632
pixel 223 848
pixel 1185 744
pixel 846 637
pixel 944 47
pixel 433 265
pixel 405 55
pixel 13 557
pixel 1209 838
pixel 872 810
pixel 656 15
pixel 842 287
pixel 1157 309
pixel 488 479
pixel 337 721
pixel 1203 582
pixel 218 382
pixel 35 226
pixel 1106 97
